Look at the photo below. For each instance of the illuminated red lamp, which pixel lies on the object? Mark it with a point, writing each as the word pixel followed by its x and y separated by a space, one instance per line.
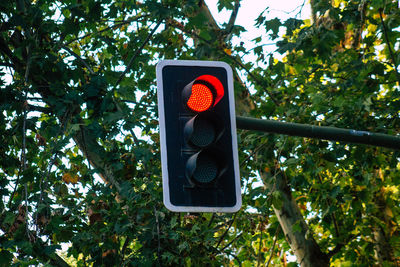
pixel 201 98
pixel 203 93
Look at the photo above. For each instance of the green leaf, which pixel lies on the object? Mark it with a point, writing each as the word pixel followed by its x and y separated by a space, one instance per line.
pixel 173 222
pixel 292 161
pixel 111 117
pixel 205 35
pixel 183 246
pixel 5 258
pixel 227 4
pixel 26 246
pixel 297 227
pixel 257 39
pixel 195 228
pixel 9 218
pixel 292 24
pixel 277 200
pixel 273 25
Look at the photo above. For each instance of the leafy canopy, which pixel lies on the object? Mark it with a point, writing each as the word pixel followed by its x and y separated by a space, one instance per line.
pixel 79 144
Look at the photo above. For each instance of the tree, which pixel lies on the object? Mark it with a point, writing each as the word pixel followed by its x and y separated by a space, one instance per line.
pixel 79 160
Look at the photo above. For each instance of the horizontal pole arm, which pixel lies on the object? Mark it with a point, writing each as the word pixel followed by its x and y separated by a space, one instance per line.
pixel 319 132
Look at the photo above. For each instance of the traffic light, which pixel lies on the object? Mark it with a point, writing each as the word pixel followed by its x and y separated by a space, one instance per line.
pixel 198 136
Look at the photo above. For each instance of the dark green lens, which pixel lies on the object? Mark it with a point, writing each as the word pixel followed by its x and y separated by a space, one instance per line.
pixel 206 169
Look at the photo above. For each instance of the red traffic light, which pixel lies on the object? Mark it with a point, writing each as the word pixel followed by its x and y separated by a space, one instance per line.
pixel 203 93
pixel 200 166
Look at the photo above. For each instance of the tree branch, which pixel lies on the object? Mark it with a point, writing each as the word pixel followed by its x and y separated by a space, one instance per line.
pixel 230 243
pixel 273 246
pixel 254 77
pixel 107 28
pixel 16 62
pixel 206 12
pixel 137 52
pixel 385 33
pixel 54 153
pixel 38 251
pixel 329 202
pixel 230 254
pixel 39 108
pixel 226 231
pixel 232 19
pixel 137 103
pixel 259 249
pixel 80 59
pixel 53 258
pixel 339 246
pixel 6 64
pixel 124 246
pixel 158 237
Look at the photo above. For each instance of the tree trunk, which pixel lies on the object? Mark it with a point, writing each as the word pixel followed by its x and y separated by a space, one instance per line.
pixel 301 241
pixel 94 153
pixel 384 252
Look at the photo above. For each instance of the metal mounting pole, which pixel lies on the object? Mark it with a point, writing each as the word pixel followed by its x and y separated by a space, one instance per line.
pixel 319 132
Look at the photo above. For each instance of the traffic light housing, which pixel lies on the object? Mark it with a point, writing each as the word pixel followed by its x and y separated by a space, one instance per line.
pixel 198 136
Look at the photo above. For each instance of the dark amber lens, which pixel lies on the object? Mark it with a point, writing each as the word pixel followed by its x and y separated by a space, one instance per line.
pixel 203 133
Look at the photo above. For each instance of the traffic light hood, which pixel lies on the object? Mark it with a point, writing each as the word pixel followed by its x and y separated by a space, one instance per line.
pixel 203 93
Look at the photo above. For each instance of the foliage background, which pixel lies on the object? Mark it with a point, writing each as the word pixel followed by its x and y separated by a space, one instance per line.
pixel 79 145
